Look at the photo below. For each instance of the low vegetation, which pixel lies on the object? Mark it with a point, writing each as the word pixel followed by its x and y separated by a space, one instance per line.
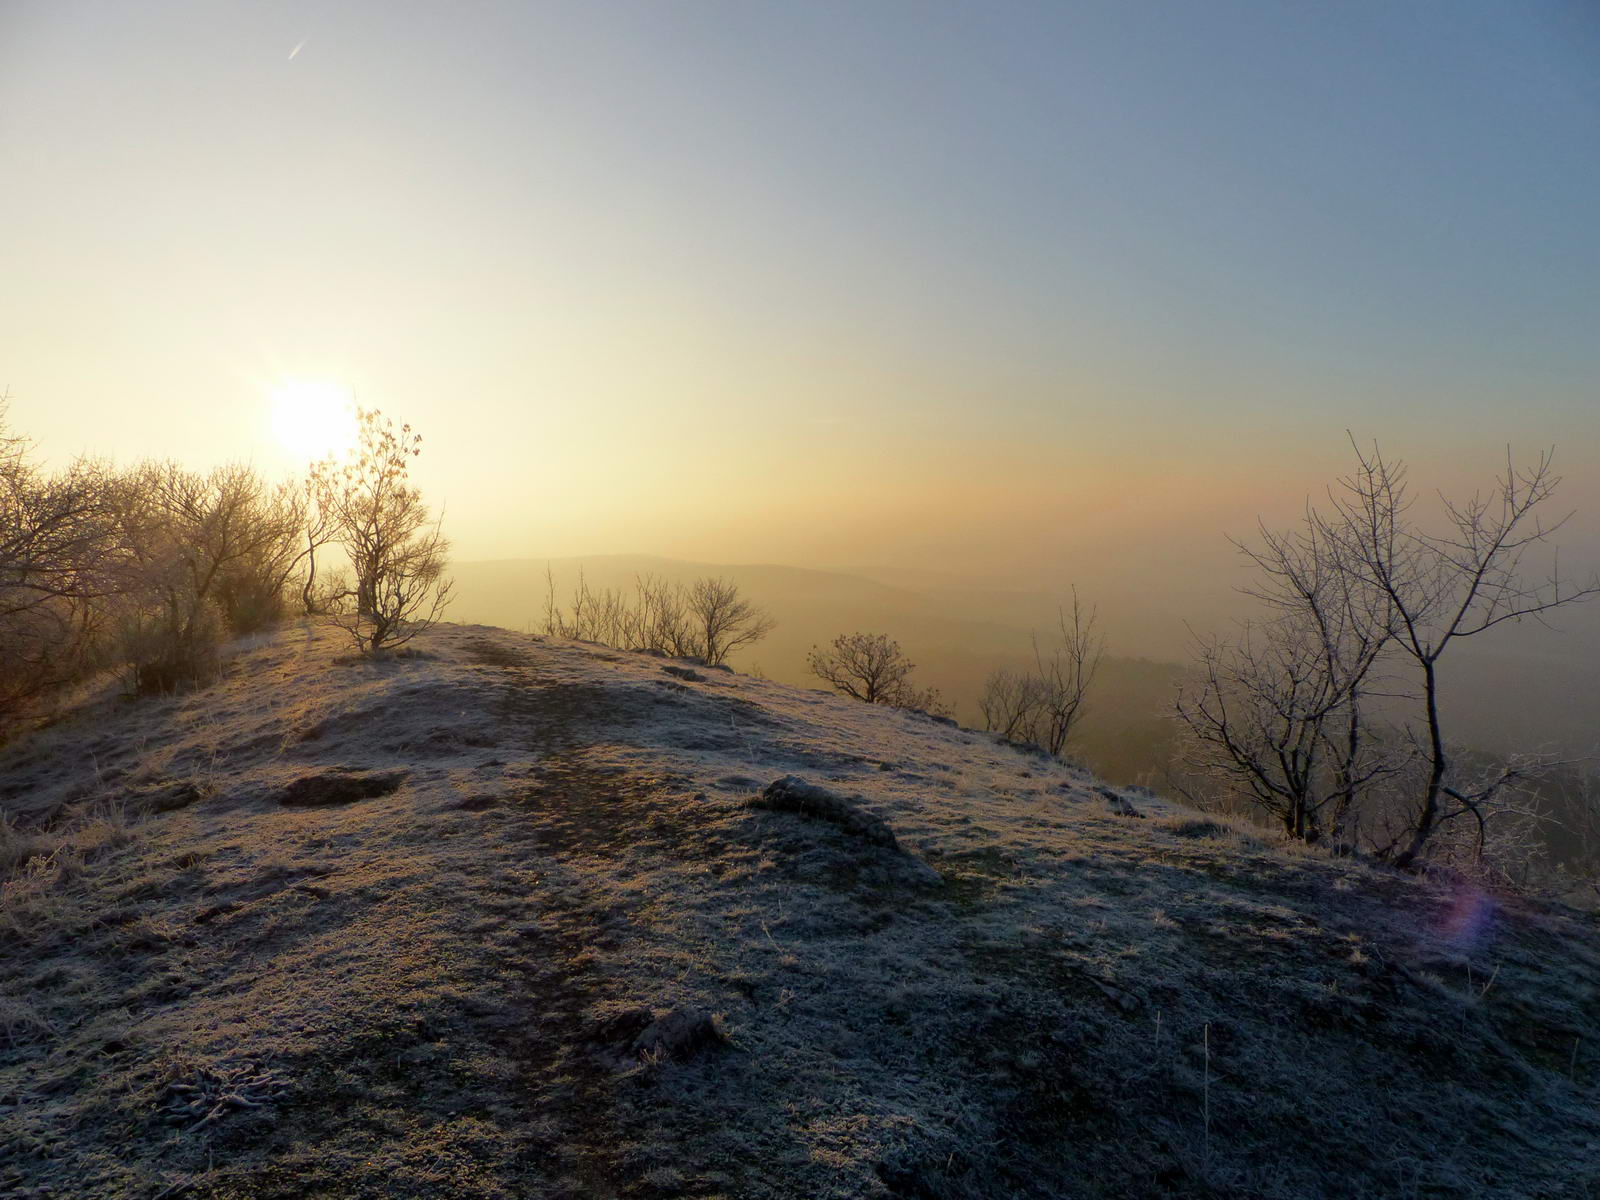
pixel 872 668
pixel 1041 707
pixel 706 620
pixel 536 915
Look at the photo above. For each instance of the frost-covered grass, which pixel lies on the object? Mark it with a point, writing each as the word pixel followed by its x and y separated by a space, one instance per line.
pixel 204 991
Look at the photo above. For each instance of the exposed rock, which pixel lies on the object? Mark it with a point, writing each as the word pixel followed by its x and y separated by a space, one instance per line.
pixel 172 797
pixel 792 794
pixel 1119 803
pixel 676 1035
pixel 679 1034
pixel 620 1029
pixel 688 673
pixel 340 787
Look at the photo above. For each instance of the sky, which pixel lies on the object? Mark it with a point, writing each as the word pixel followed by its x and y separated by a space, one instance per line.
pixel 1032 292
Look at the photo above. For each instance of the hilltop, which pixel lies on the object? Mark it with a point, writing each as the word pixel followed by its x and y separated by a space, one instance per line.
pixel 513 917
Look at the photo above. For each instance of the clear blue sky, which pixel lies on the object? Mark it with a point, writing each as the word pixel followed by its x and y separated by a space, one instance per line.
pixel 905 283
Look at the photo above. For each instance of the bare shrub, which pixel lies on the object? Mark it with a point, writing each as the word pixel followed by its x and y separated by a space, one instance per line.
pixel 1043 706
pixel 1007 704
pixel 61 559
pixel 254 591
pixel 1573 794
pixel 397 553
pixel 172 644
pixel 721 621
pixel 661 622
pixel 707 620
pixel 212 554
pixel 872 668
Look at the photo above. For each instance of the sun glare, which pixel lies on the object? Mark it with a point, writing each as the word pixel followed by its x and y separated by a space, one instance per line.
pixel 313 418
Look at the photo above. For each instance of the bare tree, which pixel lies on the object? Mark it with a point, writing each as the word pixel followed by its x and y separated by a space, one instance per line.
pixel 397 552
pixel 1279 714
pixel 1440 588
pixel 1362 602
pixel 1044 706
pixel 213 553
pixel 1008 703
pixel 872 668
pixel 406 596
pixel 317 522
pixel 1064 676
pixel 721 620
pixel 62 558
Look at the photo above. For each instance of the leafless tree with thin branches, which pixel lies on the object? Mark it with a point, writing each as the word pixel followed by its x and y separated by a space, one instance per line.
pixel 1280 713
pixel 1044 706
pixel 396 550
pixel 1361 602
pixel 872 668
pixel 1441 588
pixel 62 558
pixel 722 620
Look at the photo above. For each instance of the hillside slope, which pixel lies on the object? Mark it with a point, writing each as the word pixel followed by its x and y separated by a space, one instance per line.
pixel 957 638
pixel 496 919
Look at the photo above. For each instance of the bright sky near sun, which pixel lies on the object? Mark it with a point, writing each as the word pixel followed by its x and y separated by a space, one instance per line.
pixel 981 286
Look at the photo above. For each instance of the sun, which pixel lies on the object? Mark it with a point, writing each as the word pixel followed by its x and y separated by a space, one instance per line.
pixel 313 418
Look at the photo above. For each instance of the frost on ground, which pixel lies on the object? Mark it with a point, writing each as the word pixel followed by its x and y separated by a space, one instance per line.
pixel 500 919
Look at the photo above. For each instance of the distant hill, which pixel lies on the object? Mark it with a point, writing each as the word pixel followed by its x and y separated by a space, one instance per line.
pixel 509 917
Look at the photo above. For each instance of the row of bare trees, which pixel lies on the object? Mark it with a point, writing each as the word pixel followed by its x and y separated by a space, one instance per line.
pixel 707 619
pixel 148 568
pixel 1325 712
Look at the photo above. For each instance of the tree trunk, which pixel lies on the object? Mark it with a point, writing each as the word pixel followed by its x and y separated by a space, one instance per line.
pixel 1429 817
